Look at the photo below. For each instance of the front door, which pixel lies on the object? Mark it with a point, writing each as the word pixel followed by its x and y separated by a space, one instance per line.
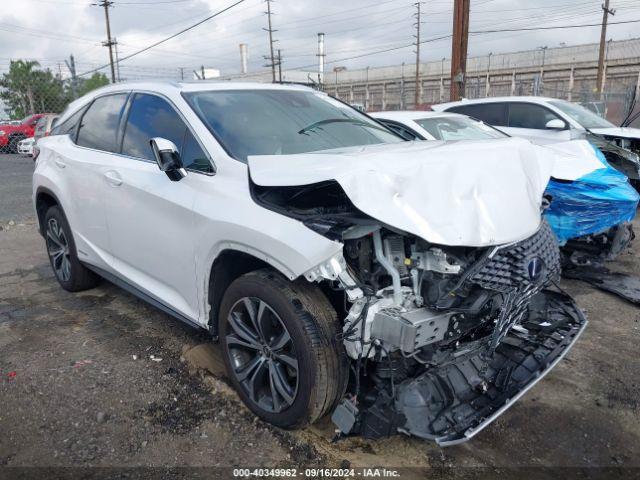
pixel 529 120
pixel 150 217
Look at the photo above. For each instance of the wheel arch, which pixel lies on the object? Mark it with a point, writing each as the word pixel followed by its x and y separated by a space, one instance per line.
pixel 227 266
pixel 44 200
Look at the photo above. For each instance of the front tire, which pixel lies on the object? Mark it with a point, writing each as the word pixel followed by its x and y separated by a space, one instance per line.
pixel 280 348
pixel 70 273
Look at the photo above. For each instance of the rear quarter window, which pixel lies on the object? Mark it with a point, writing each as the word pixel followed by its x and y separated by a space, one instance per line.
pixel 69 126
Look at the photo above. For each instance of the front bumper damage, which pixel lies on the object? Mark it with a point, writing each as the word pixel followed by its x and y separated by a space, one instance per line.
pixel 451 402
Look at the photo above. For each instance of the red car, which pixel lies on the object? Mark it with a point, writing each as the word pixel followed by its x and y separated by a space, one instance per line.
pixel 10 135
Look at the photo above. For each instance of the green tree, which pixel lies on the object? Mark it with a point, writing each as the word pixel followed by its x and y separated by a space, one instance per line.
pixel 96 80
pixel 26 89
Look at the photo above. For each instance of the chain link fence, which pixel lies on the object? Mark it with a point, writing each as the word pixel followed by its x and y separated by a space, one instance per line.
pixel 29 93
pixel 28 89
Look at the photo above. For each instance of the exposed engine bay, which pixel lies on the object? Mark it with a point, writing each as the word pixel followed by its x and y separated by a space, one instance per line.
pixel 442 339
pixel 621 153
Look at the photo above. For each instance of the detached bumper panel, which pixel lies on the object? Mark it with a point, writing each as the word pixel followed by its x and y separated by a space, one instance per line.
pixel 451 403
pixel 624 285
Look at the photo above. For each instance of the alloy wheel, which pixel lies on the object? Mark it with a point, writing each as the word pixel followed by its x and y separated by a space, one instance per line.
pixel 262 354
pixel 58 250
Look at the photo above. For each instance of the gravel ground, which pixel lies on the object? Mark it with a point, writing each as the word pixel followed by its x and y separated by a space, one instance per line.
pixel 78 387
pixel 15 187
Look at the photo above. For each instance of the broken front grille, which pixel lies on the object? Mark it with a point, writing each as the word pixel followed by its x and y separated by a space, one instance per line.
pixel 528 265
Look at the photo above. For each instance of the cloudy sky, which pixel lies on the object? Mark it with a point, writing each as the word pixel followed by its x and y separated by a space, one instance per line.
pixel 50 30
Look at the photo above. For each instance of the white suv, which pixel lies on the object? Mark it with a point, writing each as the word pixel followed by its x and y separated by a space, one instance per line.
pixel 401 286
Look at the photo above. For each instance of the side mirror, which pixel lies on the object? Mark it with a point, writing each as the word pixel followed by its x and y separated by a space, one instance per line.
pixel 555 124
pixel 168 158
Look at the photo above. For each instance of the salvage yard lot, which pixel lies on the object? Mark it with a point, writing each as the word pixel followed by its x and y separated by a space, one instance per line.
pixel 78 385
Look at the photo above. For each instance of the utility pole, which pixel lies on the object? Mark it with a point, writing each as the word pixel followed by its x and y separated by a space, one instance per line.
pixel 416 100
pixel 71 65
pixel 279 66
pixel 271 41
pixel 603 40
pixel 539 84
pixel 109 43
pixel 459 48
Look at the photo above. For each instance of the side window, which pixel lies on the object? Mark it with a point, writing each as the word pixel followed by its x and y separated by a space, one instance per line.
pixel 491 113
pixel 193 157
pixel 99 125
pixel 529 115
pixel 151 116
pixel 68 127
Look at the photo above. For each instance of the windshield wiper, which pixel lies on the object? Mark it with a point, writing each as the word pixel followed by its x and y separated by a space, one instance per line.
pixel 341 120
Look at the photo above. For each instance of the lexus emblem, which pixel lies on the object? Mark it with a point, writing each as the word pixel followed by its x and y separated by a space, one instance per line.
pixel 535 268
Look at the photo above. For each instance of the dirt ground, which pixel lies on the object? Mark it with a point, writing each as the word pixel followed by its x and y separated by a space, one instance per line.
pixel 100 379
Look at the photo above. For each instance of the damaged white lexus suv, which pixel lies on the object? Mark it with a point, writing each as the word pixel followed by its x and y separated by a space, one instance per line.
pixel 399 287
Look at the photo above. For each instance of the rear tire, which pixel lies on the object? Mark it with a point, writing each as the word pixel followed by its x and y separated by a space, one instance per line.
pixel 70 273
pixel 288 384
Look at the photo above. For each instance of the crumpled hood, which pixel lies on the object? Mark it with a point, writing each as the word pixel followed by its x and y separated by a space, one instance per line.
pixel 471 193
pixel 622 132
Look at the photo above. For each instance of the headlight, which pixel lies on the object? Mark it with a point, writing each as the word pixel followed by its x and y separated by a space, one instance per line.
pixel 2 133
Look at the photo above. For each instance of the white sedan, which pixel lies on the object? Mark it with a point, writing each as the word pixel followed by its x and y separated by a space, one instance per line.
pixel 421 125
pixel 543 120
pixel 25 147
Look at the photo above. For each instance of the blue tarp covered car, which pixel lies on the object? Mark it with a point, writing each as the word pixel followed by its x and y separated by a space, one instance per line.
pixel 593 212
pixel 590 215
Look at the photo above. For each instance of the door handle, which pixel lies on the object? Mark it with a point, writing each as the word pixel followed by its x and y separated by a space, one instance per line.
pixel 58 161
pixel 113 178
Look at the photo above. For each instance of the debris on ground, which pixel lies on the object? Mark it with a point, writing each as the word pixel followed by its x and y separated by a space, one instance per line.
pixel 622 284
pixel 81 363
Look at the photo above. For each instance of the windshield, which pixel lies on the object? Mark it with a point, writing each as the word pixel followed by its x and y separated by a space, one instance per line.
pixel 458 128
pixel 281 122
pixel 584 117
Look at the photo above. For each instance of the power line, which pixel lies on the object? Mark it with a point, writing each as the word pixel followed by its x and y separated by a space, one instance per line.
pixel 524 29
pixel 149 47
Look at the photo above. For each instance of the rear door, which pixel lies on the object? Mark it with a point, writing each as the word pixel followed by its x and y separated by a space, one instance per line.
pixel 83 157
pixel 150 218
pixel 491 113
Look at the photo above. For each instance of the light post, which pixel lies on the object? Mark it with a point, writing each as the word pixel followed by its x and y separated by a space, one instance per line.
pixel 487 86
pixel 336 70
pixel 366 93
